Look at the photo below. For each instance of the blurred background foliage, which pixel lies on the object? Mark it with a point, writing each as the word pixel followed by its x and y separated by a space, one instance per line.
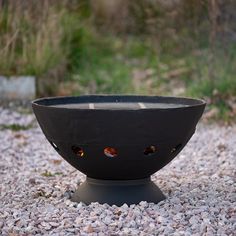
pixel 154 47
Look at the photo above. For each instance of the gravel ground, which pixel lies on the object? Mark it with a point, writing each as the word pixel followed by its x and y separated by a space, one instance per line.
pixel 36 185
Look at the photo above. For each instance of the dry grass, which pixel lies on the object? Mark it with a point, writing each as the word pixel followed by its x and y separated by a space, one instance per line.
pixel 102 45
pixel 30 36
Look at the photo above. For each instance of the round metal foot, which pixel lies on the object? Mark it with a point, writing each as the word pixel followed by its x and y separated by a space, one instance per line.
pixel 118 192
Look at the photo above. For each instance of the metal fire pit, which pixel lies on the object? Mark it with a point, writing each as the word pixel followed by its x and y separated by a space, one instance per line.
pixel 118 142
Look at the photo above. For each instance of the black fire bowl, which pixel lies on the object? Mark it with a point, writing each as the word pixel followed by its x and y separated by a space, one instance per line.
pixel 118 142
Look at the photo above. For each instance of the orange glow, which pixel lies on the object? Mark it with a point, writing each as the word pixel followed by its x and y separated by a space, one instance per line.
pixel 110 152
pixel 78 151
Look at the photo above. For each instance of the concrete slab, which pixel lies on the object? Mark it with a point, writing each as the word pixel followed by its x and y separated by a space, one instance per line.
pixel 17 87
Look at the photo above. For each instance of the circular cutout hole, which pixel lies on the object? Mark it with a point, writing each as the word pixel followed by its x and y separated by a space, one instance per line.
pixel 77 151
pixel 150 150
pixel 110 152
pixel 176 148
pixel 54 145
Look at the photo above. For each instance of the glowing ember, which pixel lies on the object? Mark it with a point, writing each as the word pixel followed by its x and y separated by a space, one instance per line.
pixel 110 152
pixel 175 148
pixel 150 150
pixel 78 151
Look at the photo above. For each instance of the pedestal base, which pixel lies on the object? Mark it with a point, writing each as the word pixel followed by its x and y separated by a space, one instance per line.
pixel 118 192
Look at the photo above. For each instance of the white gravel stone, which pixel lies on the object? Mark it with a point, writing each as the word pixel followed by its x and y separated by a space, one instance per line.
pixel 35 189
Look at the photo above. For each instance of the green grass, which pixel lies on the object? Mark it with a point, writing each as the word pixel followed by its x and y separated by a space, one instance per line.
pixel 50 174
pixel 107 64
pixel 16 127
pixel 217 78
pixel 63 46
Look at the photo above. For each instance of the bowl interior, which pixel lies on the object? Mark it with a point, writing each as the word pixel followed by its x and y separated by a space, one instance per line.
pixel 119 102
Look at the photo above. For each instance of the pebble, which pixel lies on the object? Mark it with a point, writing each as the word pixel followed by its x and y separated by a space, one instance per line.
pixel 107 220
pixel 35 199
pixel 79 206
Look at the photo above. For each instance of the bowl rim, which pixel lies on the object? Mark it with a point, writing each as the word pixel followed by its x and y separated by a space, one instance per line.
pixel 192 102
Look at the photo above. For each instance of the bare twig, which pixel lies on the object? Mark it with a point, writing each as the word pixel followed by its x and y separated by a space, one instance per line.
pixel 10 41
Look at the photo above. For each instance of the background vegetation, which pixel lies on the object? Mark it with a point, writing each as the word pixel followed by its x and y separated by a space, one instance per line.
pixel 159 47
